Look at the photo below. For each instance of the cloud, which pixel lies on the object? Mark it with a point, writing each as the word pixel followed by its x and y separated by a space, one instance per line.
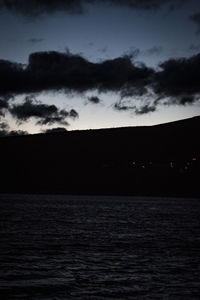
pixel 12 77
pixel 156 50
pixel 94 99
pixel 196 19
pixel 178 80
pixel 35 40
pixel 55 130
pixel 187 100
pixel 175 82
pixel 34 8
pixel 145 109
pixel 133 53
pixel 3 106
pixel 123 107
pixel 141 110
pixel 46 114
pixel 64 71
pixel 73 114
pixel 52 120
pixel 4 130
pixel 4 126
pixel 3 103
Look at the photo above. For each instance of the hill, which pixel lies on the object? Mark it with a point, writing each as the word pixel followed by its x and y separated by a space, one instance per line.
pixel 161 160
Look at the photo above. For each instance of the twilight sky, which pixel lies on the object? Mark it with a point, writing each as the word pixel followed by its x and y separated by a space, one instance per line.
pixel 83 64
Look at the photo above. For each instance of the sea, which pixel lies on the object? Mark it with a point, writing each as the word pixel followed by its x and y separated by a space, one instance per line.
pixel 99 247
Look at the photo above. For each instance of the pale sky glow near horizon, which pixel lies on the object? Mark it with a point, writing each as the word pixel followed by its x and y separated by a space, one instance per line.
pixel 102 32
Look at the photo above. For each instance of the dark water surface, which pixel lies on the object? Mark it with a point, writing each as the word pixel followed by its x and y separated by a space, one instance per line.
pixel 68 247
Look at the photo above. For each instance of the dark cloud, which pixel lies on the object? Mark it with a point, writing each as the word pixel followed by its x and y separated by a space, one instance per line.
pixel 73 114
pixel 122 75
pixel 4 126
pixel 12 78
pixel 52 120
pixel 141 110
pixel 47 114
pixel 34 8
pixel 94 99
pixel 156 50
pixel 3 133
pixel 184 100
pixel 120 106
pixel 196 19
pixel 65 71
pixel 4 130
pixel 133 53
pixel 35 41
pixel 3 106
pixel 55 130
pixel 178 80
pixel 145 109
pixel 187 100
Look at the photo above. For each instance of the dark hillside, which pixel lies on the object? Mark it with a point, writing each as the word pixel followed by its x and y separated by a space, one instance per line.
pixel 155 160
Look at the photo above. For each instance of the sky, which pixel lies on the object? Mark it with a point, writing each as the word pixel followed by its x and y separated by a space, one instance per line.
pixel 85 64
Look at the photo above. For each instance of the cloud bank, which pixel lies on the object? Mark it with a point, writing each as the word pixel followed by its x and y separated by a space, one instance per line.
pixel 64 71
pixel 176 81
pixel 35 8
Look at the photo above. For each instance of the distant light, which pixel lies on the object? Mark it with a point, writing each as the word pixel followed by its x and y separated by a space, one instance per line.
pixel 171 165
pixel 194 158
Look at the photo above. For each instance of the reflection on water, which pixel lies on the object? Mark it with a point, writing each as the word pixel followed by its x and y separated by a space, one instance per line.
pixel 68 247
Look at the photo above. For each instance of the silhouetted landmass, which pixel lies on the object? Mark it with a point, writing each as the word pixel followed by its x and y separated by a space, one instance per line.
pixel 161 160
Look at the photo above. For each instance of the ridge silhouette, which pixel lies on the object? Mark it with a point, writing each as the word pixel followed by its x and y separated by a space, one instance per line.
pixel 160 160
